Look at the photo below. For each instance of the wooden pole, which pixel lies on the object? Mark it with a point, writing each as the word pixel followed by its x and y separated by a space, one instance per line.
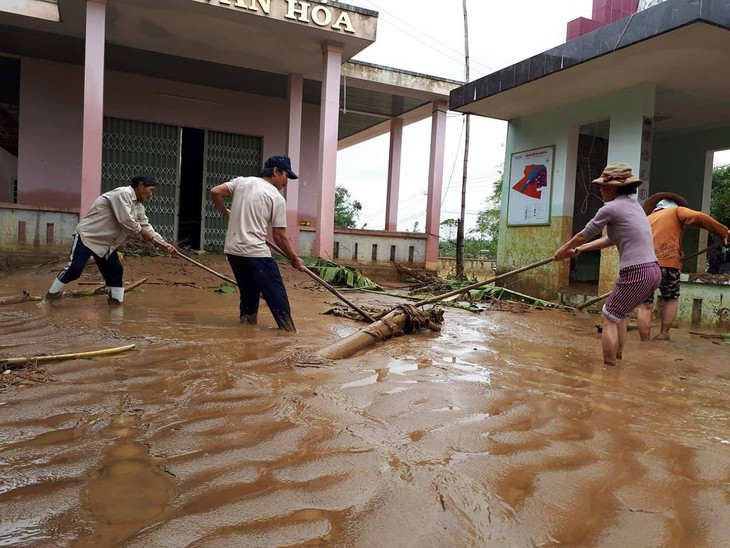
pixel 477 285
pixel 460 230
pixel 200 265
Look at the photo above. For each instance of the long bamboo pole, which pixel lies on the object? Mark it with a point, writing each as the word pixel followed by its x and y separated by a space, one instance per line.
pixel 477 285
pixel 59 357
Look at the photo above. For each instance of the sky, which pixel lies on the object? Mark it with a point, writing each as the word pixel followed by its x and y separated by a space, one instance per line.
pixel 427 36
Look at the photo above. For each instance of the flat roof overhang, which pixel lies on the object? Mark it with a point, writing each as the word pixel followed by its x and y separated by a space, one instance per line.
pixel 208 30
pixel 689 61
pixel 209 45
pixel 371 95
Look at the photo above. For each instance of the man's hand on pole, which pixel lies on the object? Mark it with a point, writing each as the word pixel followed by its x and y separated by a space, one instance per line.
pixel 298 264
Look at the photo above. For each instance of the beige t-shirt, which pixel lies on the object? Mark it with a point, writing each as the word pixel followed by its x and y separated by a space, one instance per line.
pixel 114 216
pixel 255 204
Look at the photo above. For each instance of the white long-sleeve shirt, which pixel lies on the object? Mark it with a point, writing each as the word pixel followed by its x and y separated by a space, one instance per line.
pixel 113 217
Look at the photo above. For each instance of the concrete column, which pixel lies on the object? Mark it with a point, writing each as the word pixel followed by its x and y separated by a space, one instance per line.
pixel 93 124
pixel 294 151
pixel 435 182
pixel 328 122
pixel 630 136
pixel 629 141
pixel 391 200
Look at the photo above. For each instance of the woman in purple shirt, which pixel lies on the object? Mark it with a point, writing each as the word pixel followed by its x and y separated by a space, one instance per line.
pixel 626 228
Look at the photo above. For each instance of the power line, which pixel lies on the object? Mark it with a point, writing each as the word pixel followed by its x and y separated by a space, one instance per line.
pixel 405 23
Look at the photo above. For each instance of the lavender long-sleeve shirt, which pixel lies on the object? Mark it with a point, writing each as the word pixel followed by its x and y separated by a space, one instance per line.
pixel 627 228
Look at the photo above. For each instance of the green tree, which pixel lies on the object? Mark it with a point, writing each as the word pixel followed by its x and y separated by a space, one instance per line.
pixel 720 197
pixel 447 237
pixel 346 210
pixel 488 220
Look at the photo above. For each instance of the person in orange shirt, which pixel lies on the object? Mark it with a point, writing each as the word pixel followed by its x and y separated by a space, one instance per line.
pixel 668 214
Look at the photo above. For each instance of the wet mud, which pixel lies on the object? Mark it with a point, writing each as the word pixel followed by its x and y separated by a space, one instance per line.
pixel 504 429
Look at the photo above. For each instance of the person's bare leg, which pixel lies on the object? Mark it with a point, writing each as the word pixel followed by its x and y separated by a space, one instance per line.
pixel 621 332
pixel 609 340
pixel 669 313
pixel 643 321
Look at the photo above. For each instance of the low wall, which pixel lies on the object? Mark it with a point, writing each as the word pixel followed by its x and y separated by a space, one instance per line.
pixel 704 303
pixel 36 229
pixel 370 247
pixel 374 253
pixel 481 269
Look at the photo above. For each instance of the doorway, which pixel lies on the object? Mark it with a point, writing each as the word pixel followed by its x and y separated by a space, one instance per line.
pixel 9 114
pixel 187 163
pixel 592 157
pixel 192 161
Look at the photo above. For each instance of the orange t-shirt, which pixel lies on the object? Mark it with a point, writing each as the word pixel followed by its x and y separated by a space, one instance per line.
pixel 667 227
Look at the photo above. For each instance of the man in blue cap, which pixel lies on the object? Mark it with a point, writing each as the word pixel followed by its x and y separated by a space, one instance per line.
pixel 257 203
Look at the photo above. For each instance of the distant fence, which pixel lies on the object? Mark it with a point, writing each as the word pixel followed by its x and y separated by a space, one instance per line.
pixel 371 247
pixel 481 269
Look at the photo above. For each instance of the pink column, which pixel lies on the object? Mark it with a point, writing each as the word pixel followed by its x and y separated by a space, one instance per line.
pixel 435 182
pixel 93 104
pixel 328 121
pixel 391 201
pixel 294 149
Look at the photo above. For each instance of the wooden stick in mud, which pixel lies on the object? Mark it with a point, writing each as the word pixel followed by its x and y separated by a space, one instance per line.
pixel 59 357
pixel 327 286
pixel 25 296
pixel 477 285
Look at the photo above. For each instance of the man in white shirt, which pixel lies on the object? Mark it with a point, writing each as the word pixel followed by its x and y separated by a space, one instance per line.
pixel 257 203
pixel 113 217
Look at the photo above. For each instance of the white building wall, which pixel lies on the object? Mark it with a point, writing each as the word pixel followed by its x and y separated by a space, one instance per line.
pixel 625 109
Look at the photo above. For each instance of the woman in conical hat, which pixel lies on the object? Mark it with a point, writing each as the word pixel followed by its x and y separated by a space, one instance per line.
pixel 627 228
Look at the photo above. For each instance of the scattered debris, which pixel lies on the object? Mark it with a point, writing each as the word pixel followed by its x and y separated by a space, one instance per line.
pixel 403 319
pixel 340 275
pixel 31 374
pixel 25 296
pixel 343 312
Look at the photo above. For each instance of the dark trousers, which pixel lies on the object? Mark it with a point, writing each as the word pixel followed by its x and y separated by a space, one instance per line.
pixel 111 267
pixel 257 276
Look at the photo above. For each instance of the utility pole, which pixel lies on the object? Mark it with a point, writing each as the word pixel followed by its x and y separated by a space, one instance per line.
pixel 462 218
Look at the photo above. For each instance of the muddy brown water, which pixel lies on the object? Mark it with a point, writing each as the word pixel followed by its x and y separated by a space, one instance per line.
pixel 503 430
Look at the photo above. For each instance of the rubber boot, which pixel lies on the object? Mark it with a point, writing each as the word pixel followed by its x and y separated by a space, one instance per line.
pixel 116 296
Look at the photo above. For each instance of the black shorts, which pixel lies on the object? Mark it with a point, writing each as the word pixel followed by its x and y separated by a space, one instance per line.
pixel 669 288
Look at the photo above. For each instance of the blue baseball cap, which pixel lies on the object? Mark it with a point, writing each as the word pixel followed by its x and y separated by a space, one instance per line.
pixel 282 162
